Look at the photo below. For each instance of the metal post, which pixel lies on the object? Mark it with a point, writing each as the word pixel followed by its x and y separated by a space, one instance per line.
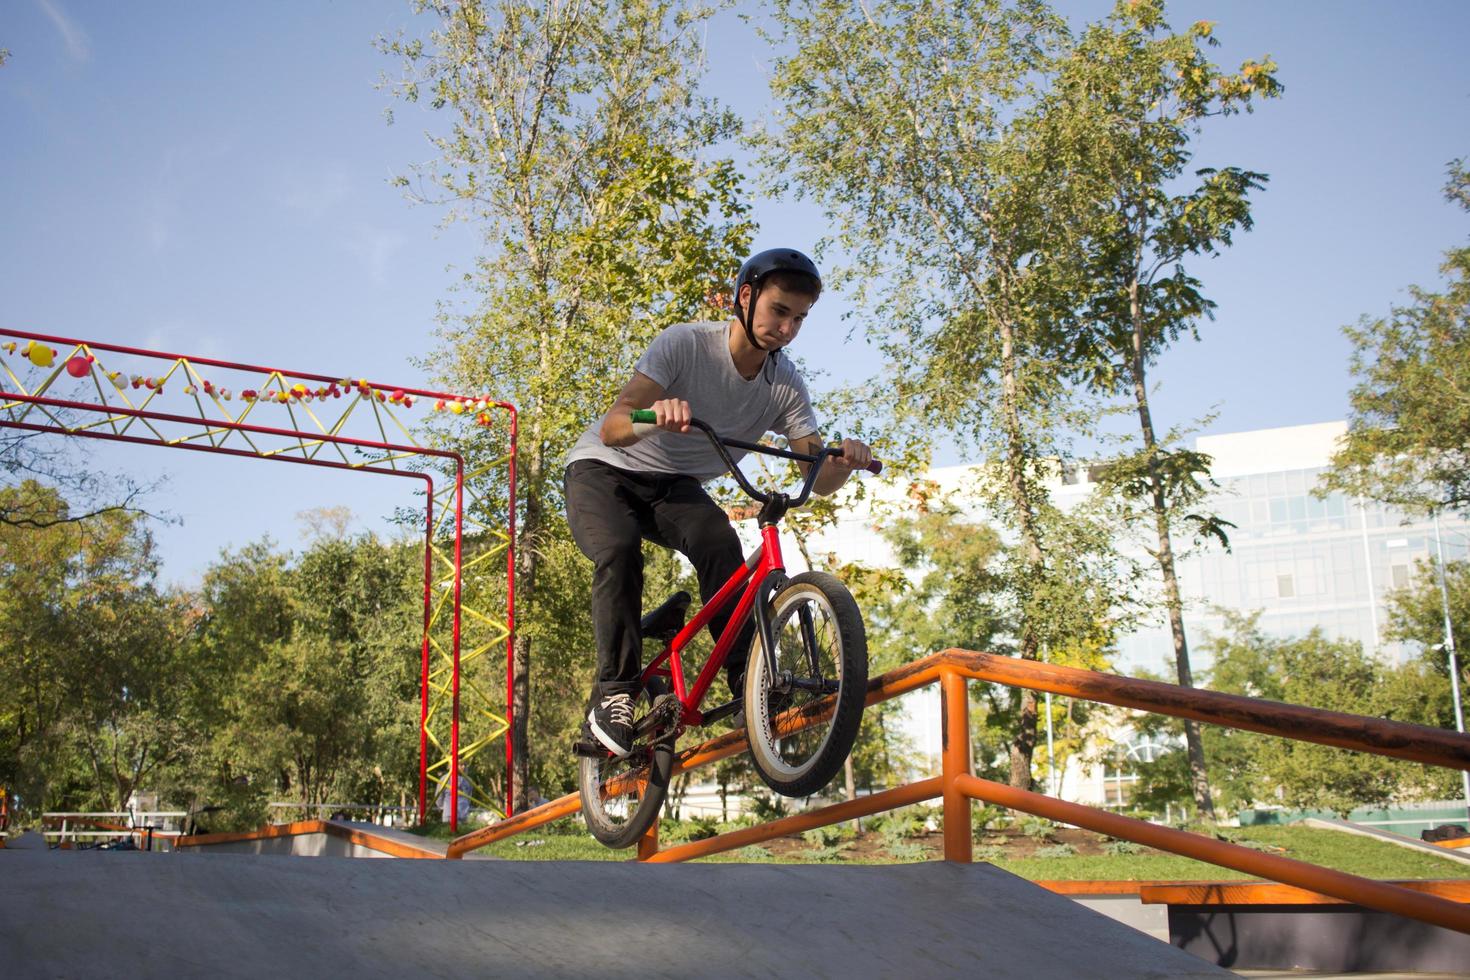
pixel 1368 567
pixel 1449 646
pixel 648 843
pixel 1051 752
pixel 954 763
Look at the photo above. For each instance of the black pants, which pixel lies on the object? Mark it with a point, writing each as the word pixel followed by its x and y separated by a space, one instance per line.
pixel 611 511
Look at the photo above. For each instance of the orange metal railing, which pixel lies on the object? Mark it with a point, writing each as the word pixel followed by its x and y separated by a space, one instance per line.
pixel 958 787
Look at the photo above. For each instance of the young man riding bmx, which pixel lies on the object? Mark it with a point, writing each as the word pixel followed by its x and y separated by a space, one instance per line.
pixel 622 488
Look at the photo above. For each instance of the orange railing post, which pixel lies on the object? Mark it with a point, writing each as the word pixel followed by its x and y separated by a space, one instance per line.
pixel 954 763
pixel 648 843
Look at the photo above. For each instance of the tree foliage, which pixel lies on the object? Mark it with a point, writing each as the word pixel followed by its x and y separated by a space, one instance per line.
pixel 576 142
pixel 918 128
pixel 1138 93
pixel 1408 440
pixel 1312 670
pixel 1416 614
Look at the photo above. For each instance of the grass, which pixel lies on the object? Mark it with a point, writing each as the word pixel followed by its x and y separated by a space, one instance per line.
pixel 1344 852
pixel 565 841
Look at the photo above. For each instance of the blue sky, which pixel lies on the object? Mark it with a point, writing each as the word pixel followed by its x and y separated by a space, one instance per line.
pixel 214 179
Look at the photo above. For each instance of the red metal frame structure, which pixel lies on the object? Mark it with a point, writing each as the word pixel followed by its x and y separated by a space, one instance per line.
pixel 215 426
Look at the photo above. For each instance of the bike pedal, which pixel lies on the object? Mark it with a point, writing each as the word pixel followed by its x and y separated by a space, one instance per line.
pixel 589 749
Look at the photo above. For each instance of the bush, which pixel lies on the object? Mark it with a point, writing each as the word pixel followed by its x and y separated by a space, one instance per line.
pixel 908 851
pixel 827 855
pixel 695 828
pixel 827 836
pixel 764 809
pixel 1056 851
pixel 1118 848
pixel 902 826
pixel 1037 828
pixel 992 818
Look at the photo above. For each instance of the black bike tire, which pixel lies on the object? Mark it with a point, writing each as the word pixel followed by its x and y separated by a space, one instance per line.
pixel 660 769
pixel 852 690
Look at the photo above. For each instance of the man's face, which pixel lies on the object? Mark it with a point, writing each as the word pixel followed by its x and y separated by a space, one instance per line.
pixel 779 314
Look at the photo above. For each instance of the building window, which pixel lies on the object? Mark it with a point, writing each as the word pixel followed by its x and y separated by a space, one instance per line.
pixel 1284 587
pixel 1400 575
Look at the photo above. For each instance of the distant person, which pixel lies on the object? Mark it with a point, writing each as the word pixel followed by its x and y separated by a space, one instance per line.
pixel 464 799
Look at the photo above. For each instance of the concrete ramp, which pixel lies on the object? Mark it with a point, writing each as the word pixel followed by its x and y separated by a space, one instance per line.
pixel 90 914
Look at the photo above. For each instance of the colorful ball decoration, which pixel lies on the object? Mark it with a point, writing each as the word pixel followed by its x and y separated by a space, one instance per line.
pixel 80 366
pixel 40 355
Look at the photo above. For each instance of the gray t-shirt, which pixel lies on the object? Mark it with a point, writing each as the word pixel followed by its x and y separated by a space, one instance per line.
pixel 692 361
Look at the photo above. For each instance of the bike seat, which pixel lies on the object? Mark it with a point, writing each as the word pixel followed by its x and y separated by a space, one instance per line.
pixel 665 622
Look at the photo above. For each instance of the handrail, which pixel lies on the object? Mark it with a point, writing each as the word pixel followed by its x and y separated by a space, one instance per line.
pixel 953 668
pixel 1399 739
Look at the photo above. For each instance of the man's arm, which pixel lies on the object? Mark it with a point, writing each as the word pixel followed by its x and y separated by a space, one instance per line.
pixel 641 391
pixel 855 456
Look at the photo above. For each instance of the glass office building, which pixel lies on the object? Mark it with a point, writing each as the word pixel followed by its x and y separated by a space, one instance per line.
pixel 1299 560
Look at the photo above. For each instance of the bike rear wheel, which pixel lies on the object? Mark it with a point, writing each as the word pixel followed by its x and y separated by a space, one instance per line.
pixel 621 797
pixel 821 652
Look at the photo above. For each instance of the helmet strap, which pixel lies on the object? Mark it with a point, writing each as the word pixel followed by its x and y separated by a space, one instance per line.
pixel 745 316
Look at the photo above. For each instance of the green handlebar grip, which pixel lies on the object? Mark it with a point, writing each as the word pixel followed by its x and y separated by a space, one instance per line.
pixel 643 415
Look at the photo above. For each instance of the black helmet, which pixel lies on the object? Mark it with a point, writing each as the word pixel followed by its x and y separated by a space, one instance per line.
pixel 762 264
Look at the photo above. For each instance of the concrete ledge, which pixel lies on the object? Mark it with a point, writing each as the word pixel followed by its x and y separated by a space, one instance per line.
pixel 317 838
pixel 1389 837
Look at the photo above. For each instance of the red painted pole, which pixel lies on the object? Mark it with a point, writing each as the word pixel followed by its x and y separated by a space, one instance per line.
pixel 424 677
pixel 454 717
pixel 510 623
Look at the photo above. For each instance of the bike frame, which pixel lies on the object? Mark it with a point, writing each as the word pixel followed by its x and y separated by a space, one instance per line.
pixel 764 563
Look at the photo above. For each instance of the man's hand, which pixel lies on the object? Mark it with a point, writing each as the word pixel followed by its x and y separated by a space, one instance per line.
pixel 856 455
pixel 673 414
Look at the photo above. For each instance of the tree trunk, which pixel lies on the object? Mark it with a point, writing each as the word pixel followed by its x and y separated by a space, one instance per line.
pixel 529 560
pixel 1198 776
pixel 1023 747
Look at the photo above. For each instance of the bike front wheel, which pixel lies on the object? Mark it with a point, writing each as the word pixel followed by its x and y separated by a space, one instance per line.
pixel 803 719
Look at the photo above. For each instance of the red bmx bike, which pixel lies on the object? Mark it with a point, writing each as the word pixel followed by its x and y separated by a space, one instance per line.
pixel 804 685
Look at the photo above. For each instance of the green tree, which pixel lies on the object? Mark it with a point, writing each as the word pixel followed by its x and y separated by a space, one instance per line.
pixel 1416 614
pixel 944 593
pixel 578 145
pixel 1408 440
pixel 93 701
pixel 1140 92
pixel 1314 671
pixel 916 127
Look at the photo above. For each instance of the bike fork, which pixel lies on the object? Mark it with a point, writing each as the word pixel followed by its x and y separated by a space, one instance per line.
pixel 774 581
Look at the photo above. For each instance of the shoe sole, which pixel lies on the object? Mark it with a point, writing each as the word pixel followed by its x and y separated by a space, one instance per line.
pixel 608 742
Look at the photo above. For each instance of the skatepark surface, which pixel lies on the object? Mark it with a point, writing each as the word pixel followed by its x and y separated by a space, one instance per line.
pixel 194 913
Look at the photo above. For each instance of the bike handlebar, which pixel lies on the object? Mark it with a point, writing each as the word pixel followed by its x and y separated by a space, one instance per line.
pixel 644 420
